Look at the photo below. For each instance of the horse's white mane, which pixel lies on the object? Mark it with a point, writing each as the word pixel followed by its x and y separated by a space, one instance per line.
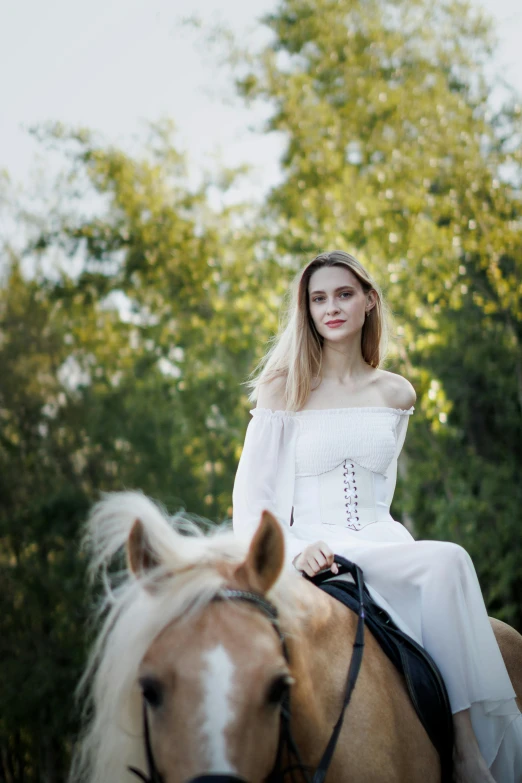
pixel 132 618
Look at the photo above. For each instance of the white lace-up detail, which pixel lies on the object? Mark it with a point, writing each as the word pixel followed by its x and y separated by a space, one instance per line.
pixel 351 497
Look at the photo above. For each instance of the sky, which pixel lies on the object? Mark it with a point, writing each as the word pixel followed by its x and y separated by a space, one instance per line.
pixel 114 65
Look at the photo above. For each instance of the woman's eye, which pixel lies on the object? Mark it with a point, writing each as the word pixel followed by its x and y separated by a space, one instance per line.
pixel 321 298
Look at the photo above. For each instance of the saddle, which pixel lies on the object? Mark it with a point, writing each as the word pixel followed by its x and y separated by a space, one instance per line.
pixel 422 676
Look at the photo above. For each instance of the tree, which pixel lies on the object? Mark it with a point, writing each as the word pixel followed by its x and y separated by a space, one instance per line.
pixel 43 501
pixel 394 152
pixel 121 368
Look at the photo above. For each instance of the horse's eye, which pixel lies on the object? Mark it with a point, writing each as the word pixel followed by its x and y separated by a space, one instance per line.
pixel 278 689
pixel 152 691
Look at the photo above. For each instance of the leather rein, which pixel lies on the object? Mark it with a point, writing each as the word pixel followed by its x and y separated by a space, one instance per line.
pixel 286 738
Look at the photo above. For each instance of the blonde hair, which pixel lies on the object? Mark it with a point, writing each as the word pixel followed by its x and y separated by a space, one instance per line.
pixel 296 352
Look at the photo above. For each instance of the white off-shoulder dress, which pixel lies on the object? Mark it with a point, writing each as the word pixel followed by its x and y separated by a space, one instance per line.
pixel 330 475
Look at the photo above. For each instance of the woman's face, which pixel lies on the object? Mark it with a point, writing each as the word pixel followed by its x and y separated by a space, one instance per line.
pixel 337 302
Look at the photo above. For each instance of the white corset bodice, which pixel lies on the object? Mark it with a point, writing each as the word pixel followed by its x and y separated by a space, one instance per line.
pixel 345 467
pixel 325 439
pixel 321 472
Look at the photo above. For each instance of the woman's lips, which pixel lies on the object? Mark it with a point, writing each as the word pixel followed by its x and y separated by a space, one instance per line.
pixel 334 324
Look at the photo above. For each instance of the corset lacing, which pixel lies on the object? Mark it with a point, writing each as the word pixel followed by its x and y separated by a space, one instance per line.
pixel 350 495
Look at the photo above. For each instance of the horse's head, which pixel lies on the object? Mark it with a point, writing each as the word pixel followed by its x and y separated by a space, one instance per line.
pixel 213 683
pixel 210 671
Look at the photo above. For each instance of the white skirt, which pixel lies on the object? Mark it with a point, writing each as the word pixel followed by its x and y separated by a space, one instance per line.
pixel 431 590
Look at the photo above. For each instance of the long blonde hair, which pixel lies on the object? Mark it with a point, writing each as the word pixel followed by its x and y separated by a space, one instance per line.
pixel 296 352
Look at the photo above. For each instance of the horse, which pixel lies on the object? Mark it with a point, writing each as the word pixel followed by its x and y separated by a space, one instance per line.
pixel 193 683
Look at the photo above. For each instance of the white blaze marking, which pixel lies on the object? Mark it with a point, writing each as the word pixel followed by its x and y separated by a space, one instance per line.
pixel 217 684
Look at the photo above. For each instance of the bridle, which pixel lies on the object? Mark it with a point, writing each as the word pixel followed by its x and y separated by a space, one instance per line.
pixel 286 739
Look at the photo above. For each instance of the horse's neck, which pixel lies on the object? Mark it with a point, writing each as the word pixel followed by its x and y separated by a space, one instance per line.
pixel 320 641
pixel 320 638
pixel 317 616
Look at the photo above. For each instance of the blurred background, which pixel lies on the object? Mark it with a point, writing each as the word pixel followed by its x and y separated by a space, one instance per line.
pixel 165 169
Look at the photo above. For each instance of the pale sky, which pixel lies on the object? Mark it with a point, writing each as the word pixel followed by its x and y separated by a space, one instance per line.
pixel 113 64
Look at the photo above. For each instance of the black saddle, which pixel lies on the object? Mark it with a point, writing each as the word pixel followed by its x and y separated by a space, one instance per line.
pixel 423 679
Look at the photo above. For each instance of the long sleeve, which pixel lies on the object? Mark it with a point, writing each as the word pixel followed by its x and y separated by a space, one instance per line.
pixel 400 437
pixel 266 474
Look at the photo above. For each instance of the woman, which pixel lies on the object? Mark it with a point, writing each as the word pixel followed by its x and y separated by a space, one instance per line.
pixel 321 453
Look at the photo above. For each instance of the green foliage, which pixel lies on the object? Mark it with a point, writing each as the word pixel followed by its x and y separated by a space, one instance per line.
pixel 42 592
pixel 395 153
pixel 121 367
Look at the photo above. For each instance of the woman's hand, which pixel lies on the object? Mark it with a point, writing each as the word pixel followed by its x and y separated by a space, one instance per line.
pixel 314 558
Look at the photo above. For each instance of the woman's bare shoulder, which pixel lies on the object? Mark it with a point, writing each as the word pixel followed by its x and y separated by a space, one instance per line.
pixel 396 391
pixel 271 394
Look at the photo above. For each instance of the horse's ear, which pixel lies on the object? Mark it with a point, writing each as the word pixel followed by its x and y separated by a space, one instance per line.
pixel 140 556
pixel 265 557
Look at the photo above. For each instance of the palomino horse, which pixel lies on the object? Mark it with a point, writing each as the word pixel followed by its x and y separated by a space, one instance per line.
pixel 211 674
